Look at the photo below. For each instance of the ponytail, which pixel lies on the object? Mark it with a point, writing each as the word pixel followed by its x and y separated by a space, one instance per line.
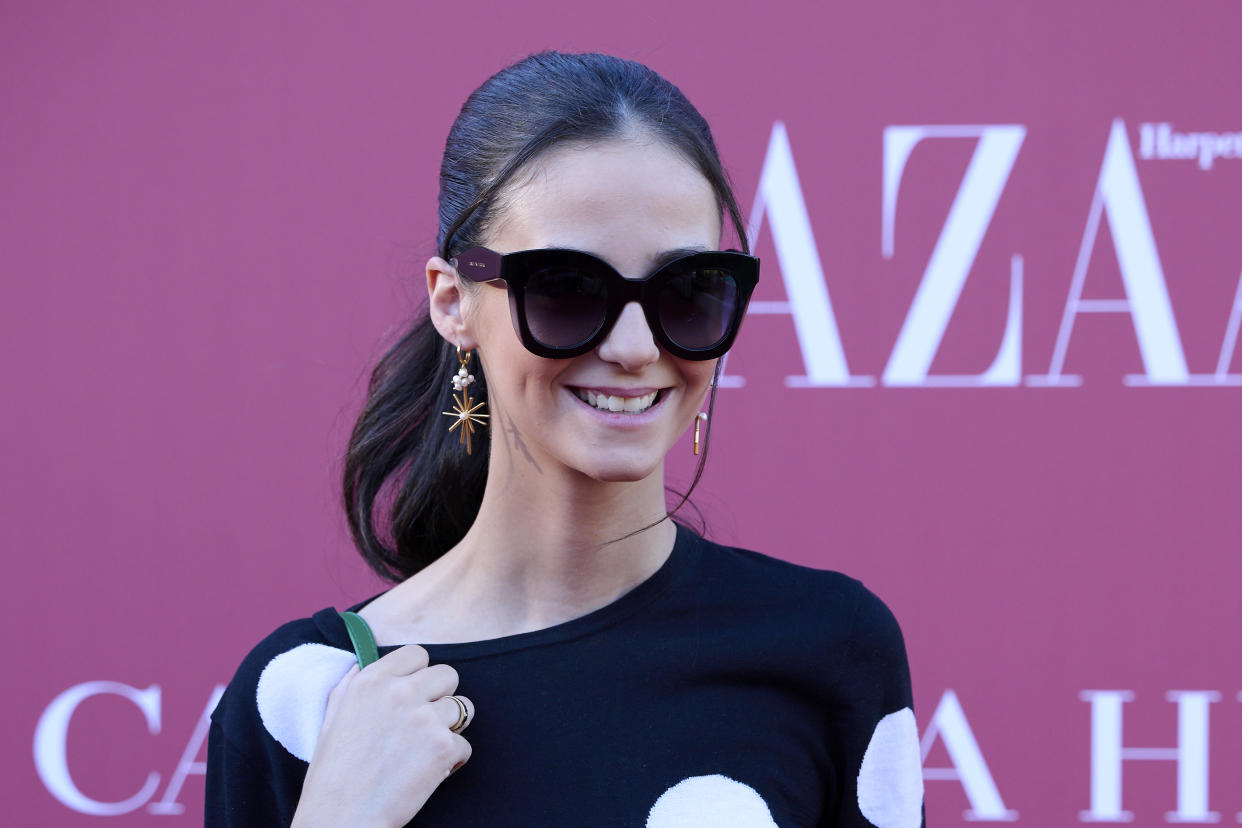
pixel 410 490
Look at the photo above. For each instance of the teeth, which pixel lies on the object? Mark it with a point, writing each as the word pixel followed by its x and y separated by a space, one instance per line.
pixel 605 402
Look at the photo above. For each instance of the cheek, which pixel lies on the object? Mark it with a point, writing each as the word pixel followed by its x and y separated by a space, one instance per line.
pixel 518 382
pixel 486 312
pixel 484 308
pixel 698 378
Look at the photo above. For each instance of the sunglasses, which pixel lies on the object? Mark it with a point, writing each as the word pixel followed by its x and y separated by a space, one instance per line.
pixel 564 302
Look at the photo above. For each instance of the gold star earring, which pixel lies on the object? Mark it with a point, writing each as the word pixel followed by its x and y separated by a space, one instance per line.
pixel 467 413
pixel 701 417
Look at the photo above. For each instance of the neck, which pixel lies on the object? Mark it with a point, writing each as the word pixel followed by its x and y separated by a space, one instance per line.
pixel 548 545
pixel 562 545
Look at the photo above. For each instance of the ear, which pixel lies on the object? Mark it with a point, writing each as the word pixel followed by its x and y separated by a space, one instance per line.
pixel 445 303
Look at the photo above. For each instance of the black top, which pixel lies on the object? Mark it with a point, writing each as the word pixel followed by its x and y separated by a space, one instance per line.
pixel 728 689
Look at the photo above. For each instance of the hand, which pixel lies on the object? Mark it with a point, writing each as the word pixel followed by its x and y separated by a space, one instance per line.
pixel 385 744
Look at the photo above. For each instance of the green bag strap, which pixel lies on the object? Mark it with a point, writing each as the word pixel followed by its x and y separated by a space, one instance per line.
pixel 362 639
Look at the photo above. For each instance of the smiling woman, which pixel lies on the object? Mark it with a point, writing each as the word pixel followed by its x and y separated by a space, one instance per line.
pixel 625 670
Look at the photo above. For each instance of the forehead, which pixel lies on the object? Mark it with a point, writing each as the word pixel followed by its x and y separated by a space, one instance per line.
pixel 626 200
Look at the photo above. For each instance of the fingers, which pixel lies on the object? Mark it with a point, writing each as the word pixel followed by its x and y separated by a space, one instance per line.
pixel 402 661
pixel 334 697
pixel 463 751
pixel 419 681
pixel 410 664
pixel 434 682
pixel 456 717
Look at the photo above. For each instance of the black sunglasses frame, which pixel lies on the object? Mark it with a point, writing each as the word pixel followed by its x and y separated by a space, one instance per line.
pixel 479 264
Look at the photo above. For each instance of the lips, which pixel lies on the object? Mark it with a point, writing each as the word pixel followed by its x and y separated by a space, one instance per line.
pixel 617 403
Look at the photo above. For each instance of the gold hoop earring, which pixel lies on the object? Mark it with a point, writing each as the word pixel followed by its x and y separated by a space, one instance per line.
pixel 467 413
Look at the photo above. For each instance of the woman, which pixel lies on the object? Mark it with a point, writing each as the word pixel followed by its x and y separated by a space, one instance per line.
pixel 625 670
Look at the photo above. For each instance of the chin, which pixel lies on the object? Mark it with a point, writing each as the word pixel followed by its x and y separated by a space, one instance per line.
pixel 620 471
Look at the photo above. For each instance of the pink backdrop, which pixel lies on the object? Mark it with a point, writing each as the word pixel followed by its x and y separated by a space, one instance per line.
pixel 1008 395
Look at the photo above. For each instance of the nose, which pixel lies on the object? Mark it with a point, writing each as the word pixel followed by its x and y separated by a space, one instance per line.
pixel 630 344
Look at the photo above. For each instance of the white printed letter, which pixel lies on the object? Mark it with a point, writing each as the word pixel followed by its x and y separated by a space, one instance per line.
pixel 955 252
pixel 169 804
pixel 1230 342
pixel 1117 192
pixel 949 722
pixel 1191 755
pixel 780 196
pixel 52 733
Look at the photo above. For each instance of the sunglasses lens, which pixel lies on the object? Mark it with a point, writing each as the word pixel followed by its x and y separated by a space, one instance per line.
pixel 696 308
pixel 564 306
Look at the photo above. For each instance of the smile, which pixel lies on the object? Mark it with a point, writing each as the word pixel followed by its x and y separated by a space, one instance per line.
pixel 616 404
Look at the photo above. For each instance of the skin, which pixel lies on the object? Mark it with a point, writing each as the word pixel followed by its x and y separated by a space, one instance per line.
pixel 565 481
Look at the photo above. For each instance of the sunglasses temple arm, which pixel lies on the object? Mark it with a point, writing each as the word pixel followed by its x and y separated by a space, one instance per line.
pixel 478 264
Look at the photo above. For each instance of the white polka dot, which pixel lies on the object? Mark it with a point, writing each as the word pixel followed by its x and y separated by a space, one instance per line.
pixel 293 694
pixel 890 781
pixel 710 802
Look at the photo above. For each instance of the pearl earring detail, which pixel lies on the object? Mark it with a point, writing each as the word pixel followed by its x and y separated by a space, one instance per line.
pixel 467 413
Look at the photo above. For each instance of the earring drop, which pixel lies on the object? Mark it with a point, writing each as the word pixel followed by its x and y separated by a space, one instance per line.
pixel 701 417
pixel 467 413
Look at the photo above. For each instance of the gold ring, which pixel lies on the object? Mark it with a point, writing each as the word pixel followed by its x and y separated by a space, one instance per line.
pixel 463 715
